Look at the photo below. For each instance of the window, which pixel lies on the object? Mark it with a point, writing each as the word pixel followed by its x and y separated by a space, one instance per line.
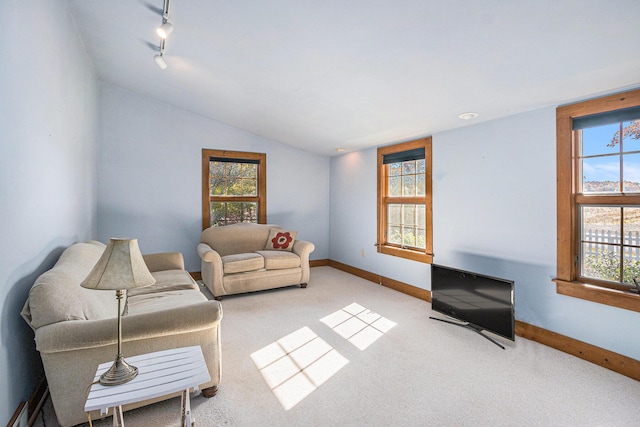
pixel 404 200
pixel 598 176
pixel 234 187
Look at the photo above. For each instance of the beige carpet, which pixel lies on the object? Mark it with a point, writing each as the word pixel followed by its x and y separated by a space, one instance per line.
pixel 347 352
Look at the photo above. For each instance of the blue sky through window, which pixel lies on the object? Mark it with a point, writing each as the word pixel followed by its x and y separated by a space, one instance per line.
pixel 596 141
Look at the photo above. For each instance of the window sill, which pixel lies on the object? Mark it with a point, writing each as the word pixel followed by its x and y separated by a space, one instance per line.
pixel 612 297
pixel 406 253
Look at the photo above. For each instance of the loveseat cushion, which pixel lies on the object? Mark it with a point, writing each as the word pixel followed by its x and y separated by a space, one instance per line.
pixel 241 263
pixel 278 260
pixel 239 238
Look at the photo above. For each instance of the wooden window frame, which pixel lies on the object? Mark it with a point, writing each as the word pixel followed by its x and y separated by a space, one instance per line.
pixel 568 280
pixel 261 198
pixel 425 255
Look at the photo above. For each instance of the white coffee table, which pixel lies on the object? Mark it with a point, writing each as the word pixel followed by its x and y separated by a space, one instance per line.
pixel 159 374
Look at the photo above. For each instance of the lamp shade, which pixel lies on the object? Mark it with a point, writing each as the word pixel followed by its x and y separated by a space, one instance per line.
pixel 121 266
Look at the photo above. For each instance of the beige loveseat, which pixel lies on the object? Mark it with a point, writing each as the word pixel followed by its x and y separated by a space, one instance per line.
pixel 76 328
pixel 244 257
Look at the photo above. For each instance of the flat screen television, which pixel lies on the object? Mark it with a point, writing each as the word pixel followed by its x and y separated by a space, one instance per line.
pixel 481 303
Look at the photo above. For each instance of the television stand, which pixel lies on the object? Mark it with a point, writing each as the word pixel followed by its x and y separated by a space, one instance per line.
pixel 469 326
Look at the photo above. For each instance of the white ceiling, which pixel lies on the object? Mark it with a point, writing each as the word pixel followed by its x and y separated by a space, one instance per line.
pixel 323 74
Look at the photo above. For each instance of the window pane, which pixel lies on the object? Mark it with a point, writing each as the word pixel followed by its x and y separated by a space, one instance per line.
pixel 631 135
pixel 234 187
pixel 216 186
pixel 601 174
pixel 249 170
pixel 232 169
pixel 216 169
pixel 409 185
pixel 421 238
pixel 394 235
pixel 598 140
pixel 420 166
pixel 601 261
pixel 409 167
pixel 395 214
pixel 409 214
pixel 395 186
pixel 631 172
pixel 420 185
pixel 218 213
pixel 421 216
pixel 250 187
pixel 395 169
pixel 408 236
pixel 631 231
pixel 600 222
pixel 631 221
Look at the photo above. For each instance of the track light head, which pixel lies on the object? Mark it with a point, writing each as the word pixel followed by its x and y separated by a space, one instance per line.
pixel 160 62
pixel 164 30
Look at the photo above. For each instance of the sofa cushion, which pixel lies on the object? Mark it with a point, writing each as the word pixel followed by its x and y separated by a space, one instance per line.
pixel 240 263
pixel 276 260
pixel 168 280
pixel 159 301
pixel 280 240
pixel 57 296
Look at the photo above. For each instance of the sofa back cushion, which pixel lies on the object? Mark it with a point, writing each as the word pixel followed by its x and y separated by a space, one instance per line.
pixel 57 296
pixel 237 238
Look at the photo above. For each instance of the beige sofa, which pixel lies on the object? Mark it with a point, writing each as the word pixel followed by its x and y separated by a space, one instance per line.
pixel 76 328
pixel 242 258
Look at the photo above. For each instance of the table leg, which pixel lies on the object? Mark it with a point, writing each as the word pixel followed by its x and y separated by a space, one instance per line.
pixel 187 420
pixel 118 419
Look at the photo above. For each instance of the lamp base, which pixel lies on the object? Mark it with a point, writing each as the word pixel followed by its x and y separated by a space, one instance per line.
pixel 119 373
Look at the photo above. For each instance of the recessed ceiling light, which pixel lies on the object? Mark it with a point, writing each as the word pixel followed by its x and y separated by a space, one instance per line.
pixel 339 150
pixel 468 116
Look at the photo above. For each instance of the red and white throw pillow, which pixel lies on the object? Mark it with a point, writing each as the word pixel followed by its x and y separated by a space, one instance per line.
pixel 280 240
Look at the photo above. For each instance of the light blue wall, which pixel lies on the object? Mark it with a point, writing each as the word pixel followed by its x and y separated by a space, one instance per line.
pixel 353 221
pixel 150 176
pixel 48 125
pixel 494 212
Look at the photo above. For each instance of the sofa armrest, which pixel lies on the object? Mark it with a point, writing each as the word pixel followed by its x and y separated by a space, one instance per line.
pixel 303 249
pixel 164 261
pixel 211 270
pixel 82 334
pixel 206 253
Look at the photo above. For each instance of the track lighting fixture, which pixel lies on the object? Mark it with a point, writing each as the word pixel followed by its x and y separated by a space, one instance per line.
pixel 163 31
pixel 160 62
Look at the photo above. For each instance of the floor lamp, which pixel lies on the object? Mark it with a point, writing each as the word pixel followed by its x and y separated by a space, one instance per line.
pixel 120 267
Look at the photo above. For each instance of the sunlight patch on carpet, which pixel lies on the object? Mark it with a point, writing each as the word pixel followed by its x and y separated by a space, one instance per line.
pixel 358 325
pixel 297 364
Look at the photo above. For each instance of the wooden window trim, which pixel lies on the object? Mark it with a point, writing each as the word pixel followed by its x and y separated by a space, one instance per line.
pixel 207 154
pixel 568 200
pixel 426 255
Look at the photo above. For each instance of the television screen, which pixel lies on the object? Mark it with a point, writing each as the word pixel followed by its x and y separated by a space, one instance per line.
pixel 484 302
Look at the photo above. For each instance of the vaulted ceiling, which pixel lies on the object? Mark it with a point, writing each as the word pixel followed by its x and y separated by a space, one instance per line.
pixel 323 74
